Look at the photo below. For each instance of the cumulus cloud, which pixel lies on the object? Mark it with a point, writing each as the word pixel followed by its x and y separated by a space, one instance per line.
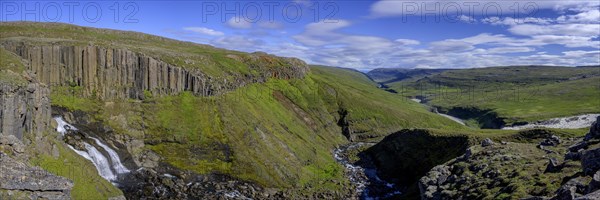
pixel 394 8
pixel 522 43
pixel 509 21
pixel 205 31
pixel 239 23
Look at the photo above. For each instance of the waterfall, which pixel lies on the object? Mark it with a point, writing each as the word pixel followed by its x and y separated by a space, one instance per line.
pixel 101 162
pixel 108 168
pixel 63 126
pixel 117 166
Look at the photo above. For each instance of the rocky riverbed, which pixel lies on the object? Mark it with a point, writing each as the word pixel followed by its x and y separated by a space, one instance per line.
pixel 368 185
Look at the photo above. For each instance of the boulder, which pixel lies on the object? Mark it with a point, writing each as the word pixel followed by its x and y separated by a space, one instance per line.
pixel 573 156
pixel 551 141
pixel 487 142
pixel 553 165
pixel 590 161
pixel 570 190
pixel 429 185
pixel 594 130
pixel 595 183
pixel 578 146
pixel 12 141
pixel 467 154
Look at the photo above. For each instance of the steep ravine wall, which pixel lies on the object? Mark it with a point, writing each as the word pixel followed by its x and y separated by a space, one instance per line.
pixel 109 73
pixel 24 109
pixel 403 157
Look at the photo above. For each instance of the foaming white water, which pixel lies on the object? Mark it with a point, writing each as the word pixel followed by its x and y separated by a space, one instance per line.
pixel 63 126
pixel 114 157
pixel 101 162
pixel 106 168
pixel 574 122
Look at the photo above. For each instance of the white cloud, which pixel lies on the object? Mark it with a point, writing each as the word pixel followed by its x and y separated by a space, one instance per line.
pixel 556 29
pixel 391 8
pixel 320 33
pixel 502 50
pixel 239 23
pixel 509 21
pixel 466 18
pixel 590 16
pixel 407 42
pixel 205 31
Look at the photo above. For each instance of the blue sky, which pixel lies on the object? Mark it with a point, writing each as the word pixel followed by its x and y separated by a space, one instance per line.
pixel 357 34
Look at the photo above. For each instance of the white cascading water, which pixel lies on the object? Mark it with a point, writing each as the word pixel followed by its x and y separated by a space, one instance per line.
pixel 103 164
pixel 63 126
pixel 114 157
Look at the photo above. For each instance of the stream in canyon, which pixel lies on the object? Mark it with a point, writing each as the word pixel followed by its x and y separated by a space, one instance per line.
pixel 367 183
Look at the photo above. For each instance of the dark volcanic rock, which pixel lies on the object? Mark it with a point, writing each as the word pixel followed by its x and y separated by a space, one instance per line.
pixel 595 183
pixel 594 130
pixel 590 161
pixel 578 146
pixel 553 165
pixel 573 156
pixel 570 190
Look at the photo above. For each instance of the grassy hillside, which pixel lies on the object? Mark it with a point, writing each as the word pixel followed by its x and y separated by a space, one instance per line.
pixel 11 68
pixel 279 134
pixel 517 94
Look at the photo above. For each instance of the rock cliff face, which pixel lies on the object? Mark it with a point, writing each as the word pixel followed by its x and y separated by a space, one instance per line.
pixel 404 156
pixel 20 181
pixel 24 109
pixel 110 73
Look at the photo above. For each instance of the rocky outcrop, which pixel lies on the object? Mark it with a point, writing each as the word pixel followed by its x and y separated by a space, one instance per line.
pixel 24 109
pixel 510 170
pixel 20 181
pixel 110 73
pixel 594 130
pixel 400 157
